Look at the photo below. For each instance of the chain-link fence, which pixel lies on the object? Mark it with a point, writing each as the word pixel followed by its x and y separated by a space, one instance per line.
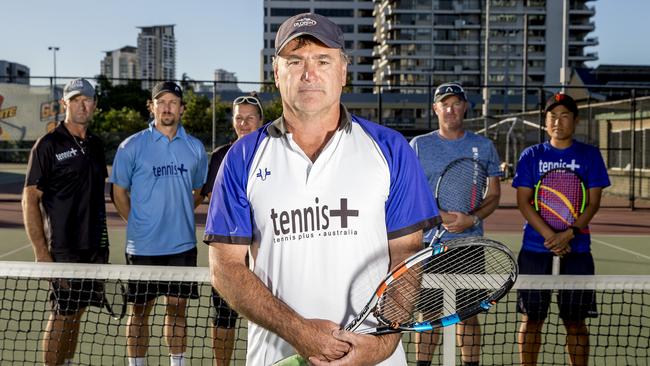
pixel 614 118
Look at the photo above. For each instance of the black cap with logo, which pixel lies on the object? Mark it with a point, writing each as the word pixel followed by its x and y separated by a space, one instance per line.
pixel 166 87
pixel 561 99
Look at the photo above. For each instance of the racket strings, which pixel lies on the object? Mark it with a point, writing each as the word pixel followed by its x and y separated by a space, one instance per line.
pixel 462 186
pixel 469 272
pixel 560 198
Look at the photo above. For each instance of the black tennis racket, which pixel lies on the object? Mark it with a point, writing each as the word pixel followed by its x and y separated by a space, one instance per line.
pixel 108 294
pixel 111 295
pixel 560 198
pixel 461 187
pixel 486 267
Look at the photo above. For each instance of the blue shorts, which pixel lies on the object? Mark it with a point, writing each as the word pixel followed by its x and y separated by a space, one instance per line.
pixel 141 292
pixel 574 304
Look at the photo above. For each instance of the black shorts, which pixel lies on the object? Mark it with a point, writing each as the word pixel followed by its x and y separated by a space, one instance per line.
pixel 68 296
pixel 141 292
pixel 223 316
pixel 574 304
pixel 464 297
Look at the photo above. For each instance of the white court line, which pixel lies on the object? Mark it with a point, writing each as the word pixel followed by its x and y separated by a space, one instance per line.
pixel 15 251
pixel 621 249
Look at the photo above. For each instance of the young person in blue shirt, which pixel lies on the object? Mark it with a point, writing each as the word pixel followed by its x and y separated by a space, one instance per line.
pixel 157 178
pixel 541 243
pixel 436 150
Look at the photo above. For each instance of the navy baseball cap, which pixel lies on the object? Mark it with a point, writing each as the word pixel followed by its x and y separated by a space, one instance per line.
pixel 309 24
pixel 166 87
pixel 78 87
pixel 448 89
pixel 561 99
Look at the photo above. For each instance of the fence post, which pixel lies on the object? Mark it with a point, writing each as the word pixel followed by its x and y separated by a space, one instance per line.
pixel 632 195
pixel 541 114
pixel 379 105
pixel 214 114
pixel 430 100
pixel 589 118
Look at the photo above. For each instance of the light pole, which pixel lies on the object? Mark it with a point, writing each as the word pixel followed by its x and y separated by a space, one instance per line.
pixel 54 49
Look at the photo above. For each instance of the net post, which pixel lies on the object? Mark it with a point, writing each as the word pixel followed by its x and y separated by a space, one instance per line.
pixel 556 266
pixel 449 333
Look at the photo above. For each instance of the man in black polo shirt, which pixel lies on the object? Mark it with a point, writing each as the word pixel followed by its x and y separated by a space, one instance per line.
pixel 65 214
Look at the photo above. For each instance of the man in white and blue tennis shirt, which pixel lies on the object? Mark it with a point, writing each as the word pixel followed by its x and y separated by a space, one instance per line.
pixel 541 243
pixel 324 201
pixel 157 178
pixel 436 150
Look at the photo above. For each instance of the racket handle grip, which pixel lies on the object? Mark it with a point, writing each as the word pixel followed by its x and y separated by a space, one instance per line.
pixel 556 266
pixel 295 360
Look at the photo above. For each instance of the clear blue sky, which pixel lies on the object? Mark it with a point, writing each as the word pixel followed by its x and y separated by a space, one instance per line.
pixel 215 34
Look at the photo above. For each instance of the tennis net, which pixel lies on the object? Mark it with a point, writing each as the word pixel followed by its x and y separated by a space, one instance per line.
pixel 620 335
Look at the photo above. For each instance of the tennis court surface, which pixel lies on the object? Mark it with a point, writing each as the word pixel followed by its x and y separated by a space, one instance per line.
pixel 619 336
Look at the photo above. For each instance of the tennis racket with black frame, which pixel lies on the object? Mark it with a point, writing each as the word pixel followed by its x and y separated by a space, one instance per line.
pixel 403 299
pixel 560 198
pixel 108 294
pixel 112 296
pixel 461 187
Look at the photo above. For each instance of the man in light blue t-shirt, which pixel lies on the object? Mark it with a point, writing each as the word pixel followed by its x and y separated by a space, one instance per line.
pixel 436 150
pixel 157 178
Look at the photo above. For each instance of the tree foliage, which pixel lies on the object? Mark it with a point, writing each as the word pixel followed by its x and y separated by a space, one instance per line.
pixel 124 120
pixel 122 110
pixel 131 95
pixel 273 110
pixel 197 119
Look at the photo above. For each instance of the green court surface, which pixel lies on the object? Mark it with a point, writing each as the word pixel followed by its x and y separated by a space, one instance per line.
pixel 614 255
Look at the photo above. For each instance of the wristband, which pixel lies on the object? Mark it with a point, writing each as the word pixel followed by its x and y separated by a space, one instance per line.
pixel 576 230
pixel 476 220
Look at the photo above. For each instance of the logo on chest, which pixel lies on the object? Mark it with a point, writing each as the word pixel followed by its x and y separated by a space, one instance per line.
pixel 545 166
pixel 314 221
pixel 171 169
pixel 263 174
pixel 67 154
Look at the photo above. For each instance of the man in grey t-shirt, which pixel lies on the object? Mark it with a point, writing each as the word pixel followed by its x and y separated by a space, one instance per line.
pixel 436 150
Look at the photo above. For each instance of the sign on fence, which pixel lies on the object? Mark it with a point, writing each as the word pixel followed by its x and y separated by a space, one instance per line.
pixel 27 112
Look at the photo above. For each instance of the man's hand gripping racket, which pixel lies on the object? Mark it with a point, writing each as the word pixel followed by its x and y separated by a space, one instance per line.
pixel 560 198
pixel 404 295
pixel 460 189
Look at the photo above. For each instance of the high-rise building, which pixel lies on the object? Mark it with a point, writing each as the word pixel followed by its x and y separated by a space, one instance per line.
pixel 156 54
pixel 12 72
pixel 226 80
pixel 120 64
pixel 355 19
pixel 427 42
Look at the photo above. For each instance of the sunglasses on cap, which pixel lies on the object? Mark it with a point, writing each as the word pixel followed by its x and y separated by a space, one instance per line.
pixel 449 89
pixel 249 100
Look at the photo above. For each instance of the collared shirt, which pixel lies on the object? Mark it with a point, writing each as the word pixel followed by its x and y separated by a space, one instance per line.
pixel 71 173
pixel 585 160
pixel 213 168
pixel 319 229
pixel 435 153
pixel 160 175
